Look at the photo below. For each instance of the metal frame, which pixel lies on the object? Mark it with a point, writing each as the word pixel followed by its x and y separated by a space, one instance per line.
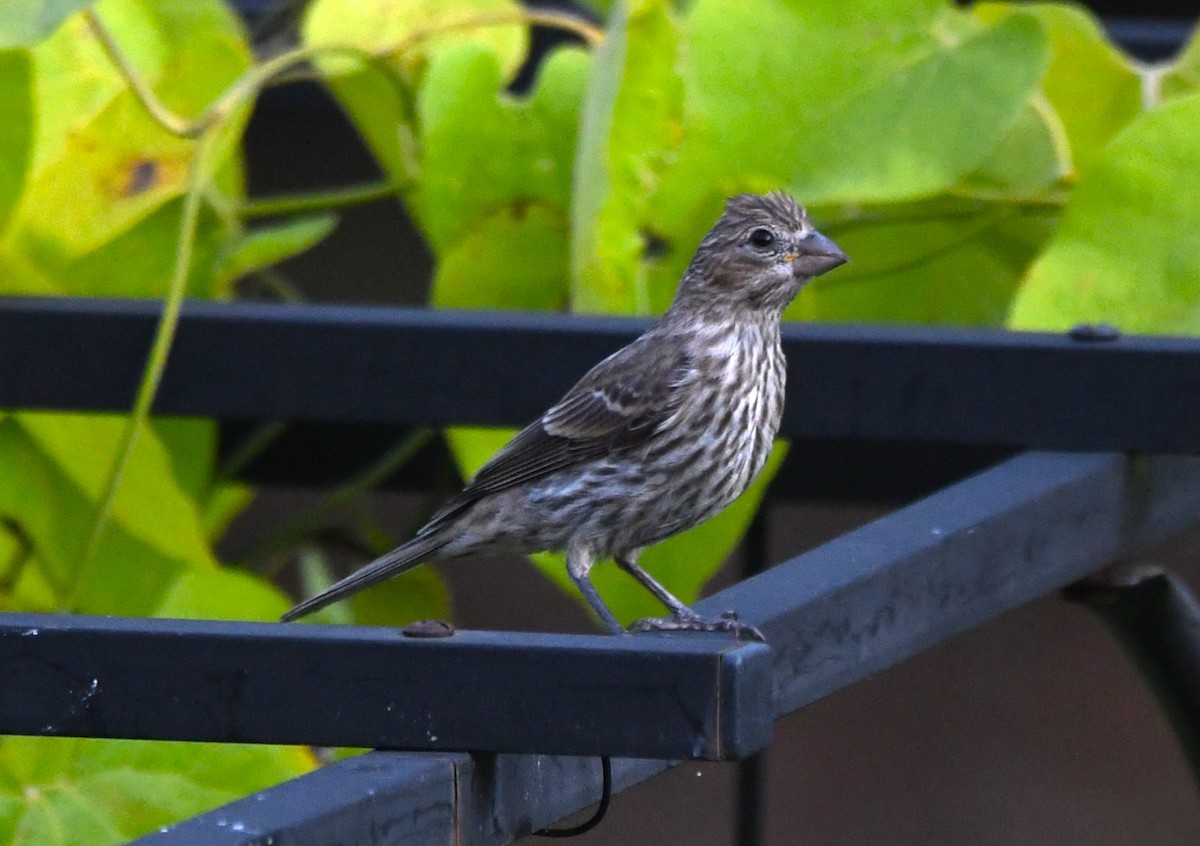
pixel 873 413
pixel 80 676
pixel 1031 524
pixel 831 616
pixel 420 367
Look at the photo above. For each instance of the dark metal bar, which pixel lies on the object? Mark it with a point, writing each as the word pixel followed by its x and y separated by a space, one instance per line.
pixel 847 609
pixel 1156 618
pixel 950 562
pixel 406 366
pixel 220 681
pixel 415 799
pixel 1150 37
pixel 409 798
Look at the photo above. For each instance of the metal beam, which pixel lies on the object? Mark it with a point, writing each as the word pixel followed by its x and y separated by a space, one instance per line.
pixel 422 367
pixel 409 798
pixel 79 676
pixel 832 616
pixel 956 559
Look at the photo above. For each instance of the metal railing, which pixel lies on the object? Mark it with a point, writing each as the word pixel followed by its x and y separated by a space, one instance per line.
pixel 1016 529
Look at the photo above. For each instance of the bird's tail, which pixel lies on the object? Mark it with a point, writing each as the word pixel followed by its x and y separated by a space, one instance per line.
pixel 399 560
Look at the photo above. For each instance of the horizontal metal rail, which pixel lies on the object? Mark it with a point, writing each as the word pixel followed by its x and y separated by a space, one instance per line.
pixel 831 616
pixel 646 696
pixel 421 367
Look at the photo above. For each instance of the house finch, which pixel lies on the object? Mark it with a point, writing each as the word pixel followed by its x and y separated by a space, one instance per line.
pixel 656 438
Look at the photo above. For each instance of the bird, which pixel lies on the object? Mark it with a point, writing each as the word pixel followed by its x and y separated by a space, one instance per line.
pixel 653 440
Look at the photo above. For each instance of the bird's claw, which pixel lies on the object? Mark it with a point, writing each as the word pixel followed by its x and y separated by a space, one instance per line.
pixel 727 622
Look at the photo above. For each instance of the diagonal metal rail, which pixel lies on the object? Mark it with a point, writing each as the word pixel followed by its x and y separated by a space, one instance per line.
pixel 832 616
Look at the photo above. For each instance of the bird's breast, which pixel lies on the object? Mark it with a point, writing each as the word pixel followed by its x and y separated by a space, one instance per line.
pixel 698 460
pixel 751 383
pixel 733 412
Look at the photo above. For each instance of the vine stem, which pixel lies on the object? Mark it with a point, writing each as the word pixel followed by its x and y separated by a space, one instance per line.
pixel 205 130
pixel 303 526
pixel 591 34
pixel 156 362
pixel 244 88
pixel 261 74
pixel 264 74
pixel 871 215
pixel 320 200
pixel 173 123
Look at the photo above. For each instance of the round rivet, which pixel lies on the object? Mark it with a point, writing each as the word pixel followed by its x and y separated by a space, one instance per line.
pixel 1094 332
pixel 428 628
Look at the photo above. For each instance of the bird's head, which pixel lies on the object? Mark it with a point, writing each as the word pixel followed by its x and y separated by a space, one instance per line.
pixel 759 254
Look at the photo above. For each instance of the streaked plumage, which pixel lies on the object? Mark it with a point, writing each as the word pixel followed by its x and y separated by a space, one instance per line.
pixel 656 438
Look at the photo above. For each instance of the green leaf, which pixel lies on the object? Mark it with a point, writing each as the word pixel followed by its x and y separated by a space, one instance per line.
pixel 419 594
pixel 108 180
pixel 224 502
pixel 1094 88
pixel 413 32
pixel 79 792
pixel 138 262
pixel 898 140
pixel 266 245
pixel 101 165
pixel 860 125
pixel 1031 160
pixel 1183 75
pixel 381 107
pixel 136 560
pixel 939 261
pixel 222 593
pixel 522 253
pixel 905 113
pixel 632 120
pixel 191 445
pixel 1128 252
pixel 16 130
pixel 485 151
pixel 26 22
pixel 149 504
pixel 759 92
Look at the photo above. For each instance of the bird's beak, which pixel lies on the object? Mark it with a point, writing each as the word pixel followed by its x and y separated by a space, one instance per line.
pixel 816 255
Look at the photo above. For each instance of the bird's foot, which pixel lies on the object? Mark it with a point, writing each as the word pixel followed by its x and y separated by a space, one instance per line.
pixel 692 622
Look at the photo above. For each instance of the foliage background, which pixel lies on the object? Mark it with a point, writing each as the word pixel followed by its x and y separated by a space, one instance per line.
pixel 1002 164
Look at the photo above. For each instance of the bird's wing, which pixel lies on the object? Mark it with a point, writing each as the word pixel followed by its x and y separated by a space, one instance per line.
pixel 617 404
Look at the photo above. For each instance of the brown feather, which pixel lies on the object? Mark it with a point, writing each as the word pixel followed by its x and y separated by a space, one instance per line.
pixel 617 405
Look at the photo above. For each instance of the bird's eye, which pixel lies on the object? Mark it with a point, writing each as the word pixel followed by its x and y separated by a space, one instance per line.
pixel 762 238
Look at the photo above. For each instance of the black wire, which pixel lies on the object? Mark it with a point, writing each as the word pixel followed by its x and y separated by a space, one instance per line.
pixel 601 809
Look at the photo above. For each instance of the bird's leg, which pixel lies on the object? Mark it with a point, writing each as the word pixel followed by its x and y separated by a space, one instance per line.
pixel 683 619
pixel 579 565
pixel 628 563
